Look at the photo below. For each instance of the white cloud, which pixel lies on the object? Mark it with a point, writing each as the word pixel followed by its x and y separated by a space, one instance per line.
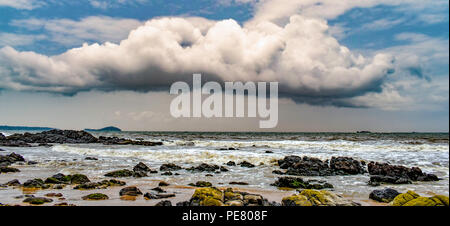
pixel 75 32
pixel 302 56
pixel 106 4
pixel 22 4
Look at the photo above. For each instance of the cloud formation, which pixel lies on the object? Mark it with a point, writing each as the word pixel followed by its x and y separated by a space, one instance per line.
pixel 21 4
pixel 310 65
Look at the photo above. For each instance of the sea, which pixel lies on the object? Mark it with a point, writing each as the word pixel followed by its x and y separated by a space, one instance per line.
pixel 429 151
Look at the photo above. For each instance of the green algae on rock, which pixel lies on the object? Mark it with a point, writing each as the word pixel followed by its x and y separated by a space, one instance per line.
pixel 95 196
pixel 310 197
pixel 411 198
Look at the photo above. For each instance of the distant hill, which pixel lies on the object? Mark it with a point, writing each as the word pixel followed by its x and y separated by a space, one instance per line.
pixel 106 129
pixel 25 128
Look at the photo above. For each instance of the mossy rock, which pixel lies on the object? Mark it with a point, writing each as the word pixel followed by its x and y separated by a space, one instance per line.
pixel 411 198
pixel 310 197
pixel 120 173
pixel 208 197
pixel 201 184
pixel 79 179
pixel 402 199
pixel 96 196
pixel 229 195
pixel 37 200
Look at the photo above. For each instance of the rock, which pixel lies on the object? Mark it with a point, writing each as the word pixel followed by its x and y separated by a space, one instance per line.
pixel 14 182
pixel 99 185
pixel 346 166
pixel 289 161
pixel 32 163
pixel 167 173
pixel 385 195
pixel 223 169
pixel 87 186
pixel 163 184
pixel 170 167
pixel 297 182
pixel 58 179
pixel 201 184
pixel 37 200
pixel 238 183
pixel 411 198
pixel 122 141
pixel 316 198
pixel 396 174
pixel 246 164
pixel 306 167
pixel 268 152
pixel 95 196
pixel 91 159
pixel 6 160
pixel 207 197
pixel 120 173
pixel 130 191
pixel 231 163
pixel 141 170
pixel 158 189
pixel 54 195
pixel 8 170
pixel 164 203
pixel 204 167
pixel 158 196
pixel 35 183
pixel 79 179
pixel 113 182
pixel 279 172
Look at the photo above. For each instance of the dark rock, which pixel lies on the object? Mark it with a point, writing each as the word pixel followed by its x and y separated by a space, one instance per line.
pixel 231 163
pixel 130 191
pixel 158 189
pixel 185 203
pixel 58 179
pixel 246 164
pixel 346 166
pixel 223 169
pixel 204 167
pixel 120 173
pixel 268 152
pixel 385 195
pixel 163 184
pixel 279 172
pixel 91 158
pixel 37 200
pixel 288 161
pixel 36 183
pixel 167 173
pixel 307 166
pixel 396 174
pixel 6 160
pixel 158 196
pixel 170 167
pixel 297 182
pixel 122 141
pixel 54 195
pixel 238 183
pixel 14 182
pixel 87 186
pixel 32 163
pixel 164 203
pixel 141 170
pixel 201 184
pixel 8 170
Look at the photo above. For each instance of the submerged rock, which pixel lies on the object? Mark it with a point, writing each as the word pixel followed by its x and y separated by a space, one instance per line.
pixel 316 198
pixel 396 174
pixel 411 198
pixel 385 195
pixel 297 182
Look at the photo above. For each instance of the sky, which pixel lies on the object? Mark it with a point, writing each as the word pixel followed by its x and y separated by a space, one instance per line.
pixel 344 65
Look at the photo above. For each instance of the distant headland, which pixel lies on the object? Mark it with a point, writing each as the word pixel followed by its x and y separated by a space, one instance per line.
pixel 106 129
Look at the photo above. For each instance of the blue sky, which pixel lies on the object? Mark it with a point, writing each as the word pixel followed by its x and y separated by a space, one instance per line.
pixel 413 33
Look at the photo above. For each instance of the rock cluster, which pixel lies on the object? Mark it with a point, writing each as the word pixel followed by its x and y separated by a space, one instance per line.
pixel 214 197
pixel 308 166
pixel 395 174
pixel 6 160
pixel 140 170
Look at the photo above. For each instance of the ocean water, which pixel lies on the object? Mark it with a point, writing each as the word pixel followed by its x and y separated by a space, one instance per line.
pixel 430 152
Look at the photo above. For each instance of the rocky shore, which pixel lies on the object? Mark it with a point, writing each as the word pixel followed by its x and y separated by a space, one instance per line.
pixel 290 176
